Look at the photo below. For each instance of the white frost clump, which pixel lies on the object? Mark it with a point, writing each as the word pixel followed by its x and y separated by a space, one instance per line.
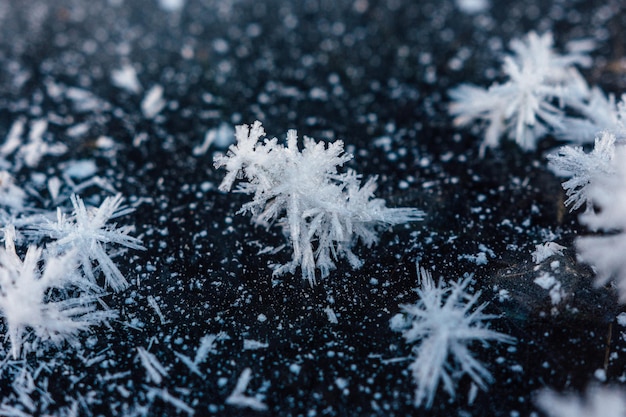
pixel 599 402
pixel 546 250
pixel 126 78
pixel 583 168
pixel 540 83
pixel 606 252
pixel 322 212
pixel 28 303
pixel 444 322
pixel 87 232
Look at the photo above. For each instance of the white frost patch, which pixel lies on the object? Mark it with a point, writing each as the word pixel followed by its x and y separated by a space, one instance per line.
pixel 126 79
pixel 598 401
pixel 621 319
pixel 238 398
pixel 81 169
pixel 479 259
pixel 153 367
pixel 548 282
pixel 171 5
pixel 546 250
pixel 153 102
pixel 545 281
pixel 249 344
pixel 472 6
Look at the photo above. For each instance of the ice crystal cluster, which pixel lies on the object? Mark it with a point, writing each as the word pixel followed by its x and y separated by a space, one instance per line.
pixel 442 324
pixel 540 84
pixel 55 265
pixel 322 212
pixel 53 293
pixel 584 169
pixel 597 180
pixel 544 93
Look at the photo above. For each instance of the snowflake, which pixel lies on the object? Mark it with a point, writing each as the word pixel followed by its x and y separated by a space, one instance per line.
pixel 583 168
pixel 28 301
pixel 322 212
pixel 539 84
pixel 605 252
pixel 444 321
pixel 599 402
pixel 87 232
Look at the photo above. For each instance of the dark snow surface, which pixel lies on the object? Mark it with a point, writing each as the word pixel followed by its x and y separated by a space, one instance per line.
pixel 371 73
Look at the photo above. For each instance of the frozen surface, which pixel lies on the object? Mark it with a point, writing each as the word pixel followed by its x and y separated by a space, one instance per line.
pixel 137 97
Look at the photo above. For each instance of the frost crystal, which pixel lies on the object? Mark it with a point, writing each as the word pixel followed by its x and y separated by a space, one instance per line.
pixel 539 84
pixel 322 212
pixel 605 253
pixel 599 402
pixel 28 303
pixel 583 168
pixel 444 321
pixel 597 114
pixel 154 370
pixel 87 232
pixel 546 250
pixel 239 398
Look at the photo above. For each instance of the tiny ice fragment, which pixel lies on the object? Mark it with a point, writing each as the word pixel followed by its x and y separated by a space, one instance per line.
pixel 153 367
pixel 126 78
pixel 238 397
pixel 153 102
